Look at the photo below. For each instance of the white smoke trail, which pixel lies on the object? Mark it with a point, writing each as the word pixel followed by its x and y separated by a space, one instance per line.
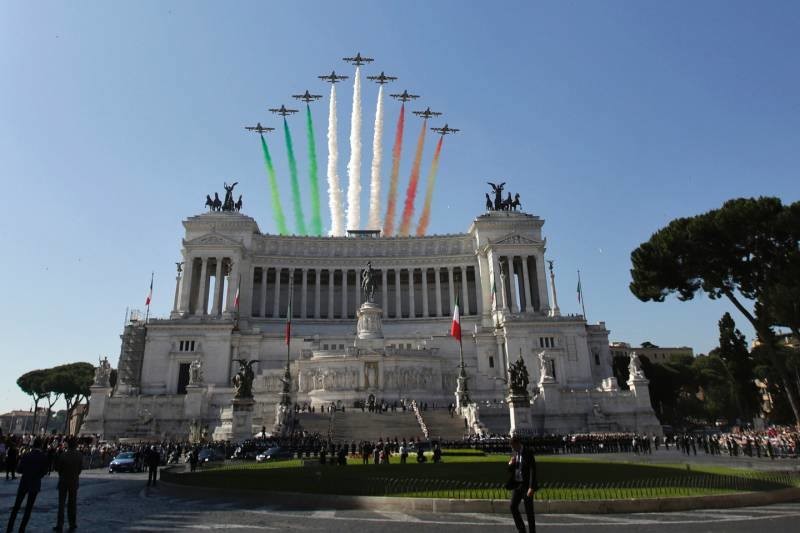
pixel 354 166
pixel 377 157
pixel 334 188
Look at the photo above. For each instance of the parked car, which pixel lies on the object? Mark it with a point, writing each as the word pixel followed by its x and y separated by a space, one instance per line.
pixel 124 462
pixel 274 453
pixel 210 455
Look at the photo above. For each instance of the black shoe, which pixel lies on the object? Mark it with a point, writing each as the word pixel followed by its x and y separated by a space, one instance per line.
pixel 58 528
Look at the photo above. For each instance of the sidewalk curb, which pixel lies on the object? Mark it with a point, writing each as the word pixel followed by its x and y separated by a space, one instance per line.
pixel 301 500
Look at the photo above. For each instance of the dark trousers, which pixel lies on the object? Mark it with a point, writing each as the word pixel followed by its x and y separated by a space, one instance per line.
pixel 152 474
pixel 520 494
pixel 67 494
pixel 21 492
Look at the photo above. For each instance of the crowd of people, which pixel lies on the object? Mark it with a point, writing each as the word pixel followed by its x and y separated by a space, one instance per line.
pixel 774 442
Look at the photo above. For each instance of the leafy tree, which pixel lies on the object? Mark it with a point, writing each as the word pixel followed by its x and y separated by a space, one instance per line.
pixel 31 384
pixel 736 252
pixel 738 367
pixel 72 381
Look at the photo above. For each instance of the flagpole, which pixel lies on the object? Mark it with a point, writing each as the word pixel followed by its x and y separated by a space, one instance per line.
pixel 147 312
pixel 580 294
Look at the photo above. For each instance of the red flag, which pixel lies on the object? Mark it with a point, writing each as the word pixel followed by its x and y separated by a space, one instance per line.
pixel 236 296
pixel 149 294
pixel 455 328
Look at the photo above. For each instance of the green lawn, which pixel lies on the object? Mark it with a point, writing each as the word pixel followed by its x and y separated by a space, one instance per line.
pixel 476 476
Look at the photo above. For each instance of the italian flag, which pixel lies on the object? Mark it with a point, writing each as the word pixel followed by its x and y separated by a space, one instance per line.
pixel 149 294
pixel 455 328
pixel 289 316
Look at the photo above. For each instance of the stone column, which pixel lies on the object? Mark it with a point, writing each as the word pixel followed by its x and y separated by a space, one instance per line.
pixel 411 309
pixel 385 291
pixel 529 299
pixel 464 291
pixel 344 293
pixel 451 288
pixel 263 310
pixel 290 289
pixel 437 276
pixel 304 294
pixel 276 304
pixel 544 298
pixel 317 291
pixel 219 285
pixel 201 290
pixel 331 283
pixel 177 291
pixel 398 299
pixel 358 289
pixel 234 273
pixel 425 313
pixel 186 288
pixel 512 286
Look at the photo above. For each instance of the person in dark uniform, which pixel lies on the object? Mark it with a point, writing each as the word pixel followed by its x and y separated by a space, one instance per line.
pixel 522 483
pixel 33 467
pixel 12 455
pixel 68 465
pixel 152 458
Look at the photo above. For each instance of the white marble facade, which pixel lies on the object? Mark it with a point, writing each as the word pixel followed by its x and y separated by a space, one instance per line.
pixel 417 282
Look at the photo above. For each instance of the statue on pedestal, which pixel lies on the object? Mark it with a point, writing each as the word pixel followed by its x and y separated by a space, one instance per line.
pixel 635 367
pixel 243 380
pixel 368 283
pixel 196 372
pixel 518 379
pixel 102 374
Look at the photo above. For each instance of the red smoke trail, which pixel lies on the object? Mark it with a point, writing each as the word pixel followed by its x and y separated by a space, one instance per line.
pixel 411 192
pixel 388 225
pixel 422 227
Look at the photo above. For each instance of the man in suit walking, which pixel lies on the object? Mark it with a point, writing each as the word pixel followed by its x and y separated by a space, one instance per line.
pixel 68 465
pixel 522 483
pixel 153 459
pixel 33 467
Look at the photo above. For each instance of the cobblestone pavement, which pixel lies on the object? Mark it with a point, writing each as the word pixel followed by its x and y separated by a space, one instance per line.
pixel 121 502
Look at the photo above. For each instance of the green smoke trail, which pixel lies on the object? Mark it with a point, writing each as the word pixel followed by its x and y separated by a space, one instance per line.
pixel 277 210
pixel 316 215
pixel 299 223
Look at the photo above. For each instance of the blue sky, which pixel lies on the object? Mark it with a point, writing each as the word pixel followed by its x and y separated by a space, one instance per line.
pixel 609 118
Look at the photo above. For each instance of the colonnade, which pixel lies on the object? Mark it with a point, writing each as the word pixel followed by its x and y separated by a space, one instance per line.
pixel 196 295
pixel 322 293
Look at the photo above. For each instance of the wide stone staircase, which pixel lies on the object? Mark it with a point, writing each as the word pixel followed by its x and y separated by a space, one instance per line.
pixel 354 425
pixel 442 426
pixel 318 422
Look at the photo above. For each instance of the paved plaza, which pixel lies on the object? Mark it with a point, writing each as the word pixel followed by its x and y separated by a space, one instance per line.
pixel 121 502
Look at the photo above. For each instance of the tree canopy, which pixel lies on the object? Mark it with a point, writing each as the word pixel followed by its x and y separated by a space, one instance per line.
pixel 742 251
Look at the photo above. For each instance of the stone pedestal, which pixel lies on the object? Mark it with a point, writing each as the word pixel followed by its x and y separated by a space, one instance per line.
pixel 370 327
pixel 93 424
pixel 519 413
pixel 462 391
pixel 193 402
pixel 237 421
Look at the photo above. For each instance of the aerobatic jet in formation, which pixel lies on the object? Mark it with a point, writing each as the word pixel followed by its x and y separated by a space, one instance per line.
pixel 427 113
pixel 358 60
pixel 382 78
pixel 259 128
pixel 445 130
pixel 307 97
pixel 404 96
pixel 332 77
pixel 283 111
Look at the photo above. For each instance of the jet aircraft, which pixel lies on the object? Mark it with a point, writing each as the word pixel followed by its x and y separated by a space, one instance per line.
pixel 427 113
pixel 332 77
pixel 382 78
pixel 259 128
pixel 404 96
pixel 358 60
pixel 445 130
pixel 283 111
pixel 307 97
